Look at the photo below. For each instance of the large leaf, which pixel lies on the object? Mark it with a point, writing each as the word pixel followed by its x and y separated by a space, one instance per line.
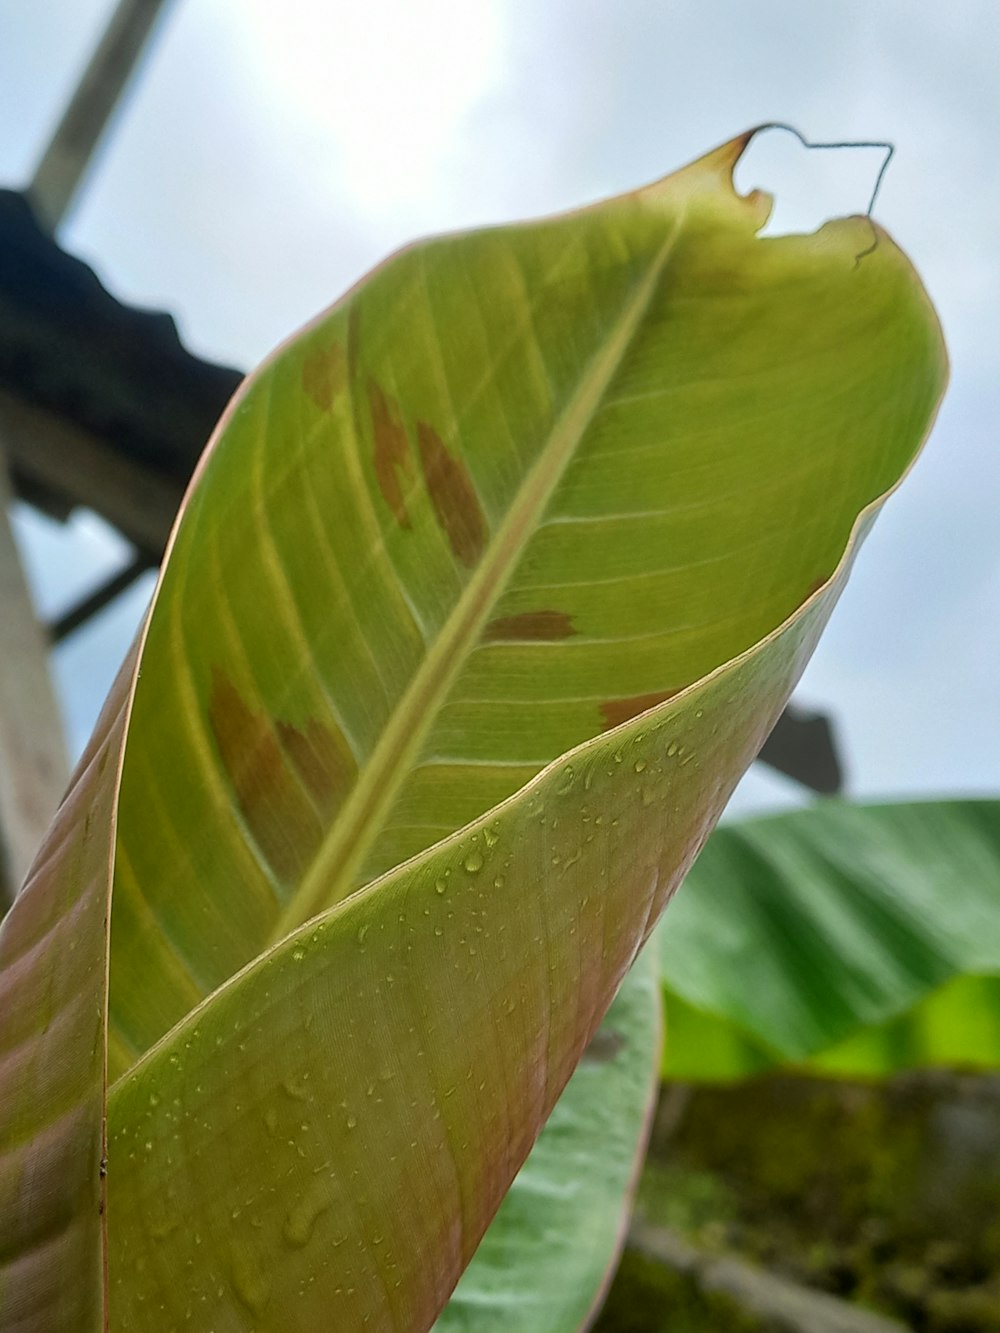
pixel 517 487
pixel 543 1264
pixel 861 939
pixel 449 1001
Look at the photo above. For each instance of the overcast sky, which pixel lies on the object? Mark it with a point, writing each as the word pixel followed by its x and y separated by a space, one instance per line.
pixel 270 153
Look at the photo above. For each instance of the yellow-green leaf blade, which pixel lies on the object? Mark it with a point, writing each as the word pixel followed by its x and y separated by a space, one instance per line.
pixel 450 1000
pixel 516 487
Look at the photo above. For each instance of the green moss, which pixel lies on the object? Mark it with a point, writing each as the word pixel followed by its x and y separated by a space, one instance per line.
pixel 888 1195
pixel 975 1310
pixel 696 1203
pixel 648 1298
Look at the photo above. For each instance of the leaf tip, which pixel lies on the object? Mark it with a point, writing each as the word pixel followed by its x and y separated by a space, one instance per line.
pixel 711 176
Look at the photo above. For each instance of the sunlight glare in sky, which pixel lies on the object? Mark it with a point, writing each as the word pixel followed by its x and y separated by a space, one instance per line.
pixel 389 86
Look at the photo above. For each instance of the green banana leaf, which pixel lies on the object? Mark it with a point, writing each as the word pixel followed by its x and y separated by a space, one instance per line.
pixel 857 939
pixel 549 1252
pixel 595 481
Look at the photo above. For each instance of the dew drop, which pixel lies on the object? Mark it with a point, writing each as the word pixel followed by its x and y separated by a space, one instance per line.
pixel 296 1090
pixel 163 1227
pixel 362 933
pixel 639 765
pixel 250 1282
pixel 672 749
pixel 302 1219
pixel 440 886
pixel 491 836
pixel 474 862
pixel 298 953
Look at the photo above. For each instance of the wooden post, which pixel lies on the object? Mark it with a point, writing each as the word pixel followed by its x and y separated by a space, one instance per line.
pixel 33 767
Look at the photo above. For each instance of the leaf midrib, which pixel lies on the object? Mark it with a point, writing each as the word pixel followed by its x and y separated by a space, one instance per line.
pixel 339 856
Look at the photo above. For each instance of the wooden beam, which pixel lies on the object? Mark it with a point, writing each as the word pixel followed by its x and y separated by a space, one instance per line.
pixel 52 455
pixel 746 1295
pixel 33 767
pixel 80 612
pixel 64 163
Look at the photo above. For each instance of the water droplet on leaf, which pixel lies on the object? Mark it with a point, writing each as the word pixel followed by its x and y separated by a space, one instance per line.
pixel 250 1282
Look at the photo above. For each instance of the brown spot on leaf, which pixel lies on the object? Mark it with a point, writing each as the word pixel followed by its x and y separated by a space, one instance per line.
pixel 603 1046
pixel 617 711
pixel 324 762
pixel 453 496
pixel 324 374
pixel 392 451
pixel 541 626
pixel 287 781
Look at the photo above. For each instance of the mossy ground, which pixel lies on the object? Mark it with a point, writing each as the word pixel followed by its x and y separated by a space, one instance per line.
pixel 884 1195
pixel 648 1298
